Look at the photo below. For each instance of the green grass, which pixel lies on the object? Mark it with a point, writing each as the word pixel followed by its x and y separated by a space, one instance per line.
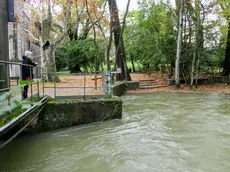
pixel 10 117
pixel 138 67
pixel 64 71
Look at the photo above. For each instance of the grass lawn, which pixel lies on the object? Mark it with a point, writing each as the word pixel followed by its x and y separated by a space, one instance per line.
pixel 138 67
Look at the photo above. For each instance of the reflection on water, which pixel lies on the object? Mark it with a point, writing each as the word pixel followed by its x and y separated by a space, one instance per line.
pixel 158 132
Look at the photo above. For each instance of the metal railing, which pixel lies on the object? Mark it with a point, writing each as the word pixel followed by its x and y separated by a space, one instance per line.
pixel 7 79
pixel 79 85
pixel 73 90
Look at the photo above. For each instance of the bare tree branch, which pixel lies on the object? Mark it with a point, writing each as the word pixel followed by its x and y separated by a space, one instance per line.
pixel 36 40
pixel 65 33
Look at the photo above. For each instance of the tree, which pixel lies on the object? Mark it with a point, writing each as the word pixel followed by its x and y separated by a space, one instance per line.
pixel 226 13
pixel 85 53
pixel 61 58
pixel 50 35
pixel 120 59
pixel 150 37
pixel 179 43
pixel 88 18
pixel 195 13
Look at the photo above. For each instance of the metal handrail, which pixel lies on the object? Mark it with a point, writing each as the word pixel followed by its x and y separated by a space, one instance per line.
pixel 7 63
pixel 73 74
pixel 15 63
pixel 106 87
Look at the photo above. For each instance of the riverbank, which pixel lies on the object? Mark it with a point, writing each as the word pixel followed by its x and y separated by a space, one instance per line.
pixel 212 88
pixel 78 81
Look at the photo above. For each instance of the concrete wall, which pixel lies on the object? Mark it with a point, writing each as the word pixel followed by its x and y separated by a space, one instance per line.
pixel 66 114
pixel 62 114
pixel 118 88
pixel 133 85
pixel 4 50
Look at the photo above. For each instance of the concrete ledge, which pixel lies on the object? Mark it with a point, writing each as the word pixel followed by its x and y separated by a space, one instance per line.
pixel 119 88
pixel 71 113
pixel 133 85
pixel 62 114
pixel 219 79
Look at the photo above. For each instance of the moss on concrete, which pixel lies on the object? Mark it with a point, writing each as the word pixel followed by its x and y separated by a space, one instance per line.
pixel 59 114
pixel 7 118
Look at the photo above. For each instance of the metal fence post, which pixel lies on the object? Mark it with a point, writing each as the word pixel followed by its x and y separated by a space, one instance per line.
pixel 7 80
pixel 9 101
pixel 107 82
pixel 84 84
pixel 43 88
pixel 55 86
pixel 109 85
pixel 31 84
pixel 43 84
pixel 8 75
pixel 22 88
pixel 38 89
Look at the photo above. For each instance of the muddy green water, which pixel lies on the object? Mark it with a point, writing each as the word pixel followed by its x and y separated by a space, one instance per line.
pixel 158 133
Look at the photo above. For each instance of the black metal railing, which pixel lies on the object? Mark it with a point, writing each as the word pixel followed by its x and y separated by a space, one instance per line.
pixel 10 76
pixel 75 89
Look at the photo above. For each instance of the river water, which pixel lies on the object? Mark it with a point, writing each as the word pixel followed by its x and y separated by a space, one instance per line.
pixel 162 132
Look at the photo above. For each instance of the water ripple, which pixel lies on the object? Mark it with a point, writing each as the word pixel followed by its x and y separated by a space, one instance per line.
pixel 158 132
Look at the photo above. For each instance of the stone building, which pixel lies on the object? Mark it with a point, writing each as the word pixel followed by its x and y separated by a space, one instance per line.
pixel 18 38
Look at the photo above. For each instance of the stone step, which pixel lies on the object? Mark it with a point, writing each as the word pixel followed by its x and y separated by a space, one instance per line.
pixel 151 87
pixel 147 84
pixel 147 80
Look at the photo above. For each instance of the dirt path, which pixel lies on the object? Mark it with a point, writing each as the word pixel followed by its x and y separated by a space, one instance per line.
pixel 78 81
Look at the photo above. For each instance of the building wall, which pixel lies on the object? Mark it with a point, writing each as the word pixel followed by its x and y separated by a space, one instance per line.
pixel 4 53
pixel 18 38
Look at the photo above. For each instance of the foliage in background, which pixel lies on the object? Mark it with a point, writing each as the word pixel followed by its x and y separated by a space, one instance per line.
pixel 86 53
pixel 150 36
pixel 61 58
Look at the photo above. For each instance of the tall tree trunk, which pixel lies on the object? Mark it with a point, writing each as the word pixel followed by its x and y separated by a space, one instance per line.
pixel 192 68
pixel 226 70
pixel 46 47
pixel 179 43
pixel 197 66
pixel 75 69
pixel 199 37
pixel 120 60
pixel 110 40
pixel 48 44
pixel 108 51
pixel 199 41
pixel 50 65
